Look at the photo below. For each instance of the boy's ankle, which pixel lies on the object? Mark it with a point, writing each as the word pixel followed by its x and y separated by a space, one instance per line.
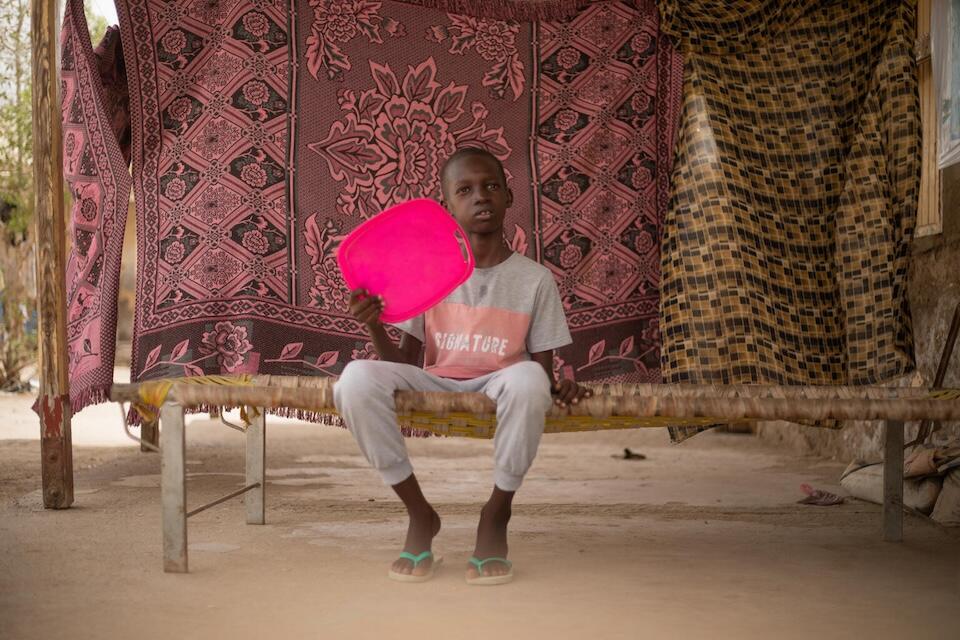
pixel 496 511
pixel 421 512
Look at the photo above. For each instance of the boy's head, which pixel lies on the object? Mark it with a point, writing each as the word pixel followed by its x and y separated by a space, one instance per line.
pixel 474 188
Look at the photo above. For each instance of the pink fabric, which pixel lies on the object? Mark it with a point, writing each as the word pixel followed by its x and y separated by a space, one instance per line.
pixel 465 342
pixel 263 132
pixel 95 124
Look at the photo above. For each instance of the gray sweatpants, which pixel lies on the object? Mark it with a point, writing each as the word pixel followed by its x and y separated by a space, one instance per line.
pixel 364 398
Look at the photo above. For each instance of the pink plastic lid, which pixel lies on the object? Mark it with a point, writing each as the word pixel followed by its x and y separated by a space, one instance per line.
pixel 413 254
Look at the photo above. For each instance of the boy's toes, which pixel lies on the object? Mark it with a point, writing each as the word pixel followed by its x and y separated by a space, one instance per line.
pixel 489 570
pixel 403 567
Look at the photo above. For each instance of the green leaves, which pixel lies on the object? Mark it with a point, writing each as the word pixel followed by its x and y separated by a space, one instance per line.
pixel 16 122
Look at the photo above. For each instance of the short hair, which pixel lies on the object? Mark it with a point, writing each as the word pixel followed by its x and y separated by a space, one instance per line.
pixel 464 152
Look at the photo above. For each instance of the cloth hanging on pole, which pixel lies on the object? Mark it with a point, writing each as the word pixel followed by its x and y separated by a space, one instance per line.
pixel 263 132
pixel 96 153
pixel 786 243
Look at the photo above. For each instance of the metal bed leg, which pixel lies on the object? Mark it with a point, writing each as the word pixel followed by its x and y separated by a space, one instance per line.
pixel 173 488
pixel 256 458
pixel 893 481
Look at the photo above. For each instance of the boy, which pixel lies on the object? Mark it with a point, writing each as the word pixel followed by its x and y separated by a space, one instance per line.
pixel 494 334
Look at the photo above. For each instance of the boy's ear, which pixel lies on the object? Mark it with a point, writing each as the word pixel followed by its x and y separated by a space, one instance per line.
pixel 509 197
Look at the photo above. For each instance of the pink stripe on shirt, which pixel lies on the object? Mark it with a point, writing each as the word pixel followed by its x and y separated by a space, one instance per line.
pixel 462 343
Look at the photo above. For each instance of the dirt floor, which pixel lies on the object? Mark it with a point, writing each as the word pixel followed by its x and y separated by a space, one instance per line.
pixel 701 540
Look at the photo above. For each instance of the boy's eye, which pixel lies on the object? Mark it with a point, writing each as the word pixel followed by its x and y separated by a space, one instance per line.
pixel 463 189
pixel 493 186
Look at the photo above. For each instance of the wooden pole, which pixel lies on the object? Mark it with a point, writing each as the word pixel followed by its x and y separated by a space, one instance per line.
pixel 255 464
pixel 173 488
pixel 149 435
pixel 893 481
pixel 54 399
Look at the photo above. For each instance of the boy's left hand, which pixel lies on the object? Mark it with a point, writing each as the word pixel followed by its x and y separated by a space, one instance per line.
pixel 569 392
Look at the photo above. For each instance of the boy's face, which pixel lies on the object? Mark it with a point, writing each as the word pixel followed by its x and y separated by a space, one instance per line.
pixel 475 193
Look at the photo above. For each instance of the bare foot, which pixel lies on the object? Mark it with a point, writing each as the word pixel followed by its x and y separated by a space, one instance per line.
pixel 424 526
pixel 491 541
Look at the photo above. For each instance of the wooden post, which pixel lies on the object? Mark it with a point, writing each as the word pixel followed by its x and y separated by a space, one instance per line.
pixel 54 399
pixel 149 435
pixel 256 457
pixel 173 488
pixel 893 481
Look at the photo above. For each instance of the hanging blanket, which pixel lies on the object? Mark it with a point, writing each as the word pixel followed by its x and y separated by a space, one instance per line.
pixel 786 243
pixel 96 134
pixel 264 131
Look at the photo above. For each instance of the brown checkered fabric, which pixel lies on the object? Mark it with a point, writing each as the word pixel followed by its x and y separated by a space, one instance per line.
pixel 786 241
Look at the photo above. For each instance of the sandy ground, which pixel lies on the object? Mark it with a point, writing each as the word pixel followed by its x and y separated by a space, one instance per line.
pixel 701 540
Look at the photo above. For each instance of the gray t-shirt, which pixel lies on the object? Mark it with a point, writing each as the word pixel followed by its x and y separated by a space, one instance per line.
pixel 498 317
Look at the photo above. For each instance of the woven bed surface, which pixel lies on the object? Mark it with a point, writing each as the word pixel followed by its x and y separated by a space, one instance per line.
pixel 473 414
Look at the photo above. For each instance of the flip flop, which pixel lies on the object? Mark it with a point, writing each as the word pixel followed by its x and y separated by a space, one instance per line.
pixel 409 577
pixel 482 580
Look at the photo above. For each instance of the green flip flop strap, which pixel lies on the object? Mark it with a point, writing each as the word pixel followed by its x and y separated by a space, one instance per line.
pixel 479 563
pixel 416 559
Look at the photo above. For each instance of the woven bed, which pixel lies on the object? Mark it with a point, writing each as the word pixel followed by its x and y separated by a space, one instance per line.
pixel 473 415
pixel 613 406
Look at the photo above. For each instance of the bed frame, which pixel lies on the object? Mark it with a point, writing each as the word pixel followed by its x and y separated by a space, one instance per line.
pixel 618 406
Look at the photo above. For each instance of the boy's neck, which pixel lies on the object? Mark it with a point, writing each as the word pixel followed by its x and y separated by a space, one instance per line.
pixel 489 249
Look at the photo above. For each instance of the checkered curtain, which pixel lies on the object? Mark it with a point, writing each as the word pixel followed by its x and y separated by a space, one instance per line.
pixel 786 241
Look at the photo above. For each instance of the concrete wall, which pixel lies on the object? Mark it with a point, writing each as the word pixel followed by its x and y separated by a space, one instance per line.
pixel 934 289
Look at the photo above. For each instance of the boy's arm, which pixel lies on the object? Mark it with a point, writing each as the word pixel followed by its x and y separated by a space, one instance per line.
pixel 566 391
pixel 367 309
pixel 545 360
pixel 407 352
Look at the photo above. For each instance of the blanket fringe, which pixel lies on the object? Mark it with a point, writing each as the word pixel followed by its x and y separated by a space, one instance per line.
pixel 333 420
pixel 88 397
pixel 305 415
pixel 134 419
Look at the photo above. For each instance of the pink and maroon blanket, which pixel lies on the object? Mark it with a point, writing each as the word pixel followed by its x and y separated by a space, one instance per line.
pixel 261 132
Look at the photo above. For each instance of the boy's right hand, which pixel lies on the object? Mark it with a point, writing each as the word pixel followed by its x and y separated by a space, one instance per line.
pixel 365 307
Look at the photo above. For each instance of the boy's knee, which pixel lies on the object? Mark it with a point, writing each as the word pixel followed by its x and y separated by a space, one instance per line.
pixel 533 375
pixel 358 378
pixel 529 381
pixel 355 371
